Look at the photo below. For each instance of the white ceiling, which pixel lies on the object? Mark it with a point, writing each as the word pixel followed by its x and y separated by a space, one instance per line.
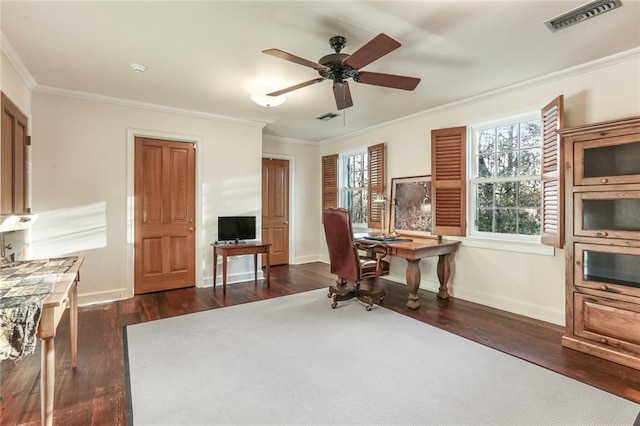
pixel 206 56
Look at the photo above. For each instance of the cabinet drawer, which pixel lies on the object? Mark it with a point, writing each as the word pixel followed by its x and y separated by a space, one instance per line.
pixel 614 269
pixel 614 214
pixel 608 322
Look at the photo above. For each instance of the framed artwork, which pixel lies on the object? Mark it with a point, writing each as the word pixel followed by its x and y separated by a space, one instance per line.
pixel 411 206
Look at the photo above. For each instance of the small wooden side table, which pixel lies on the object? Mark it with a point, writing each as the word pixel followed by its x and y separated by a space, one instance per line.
pixel 239 249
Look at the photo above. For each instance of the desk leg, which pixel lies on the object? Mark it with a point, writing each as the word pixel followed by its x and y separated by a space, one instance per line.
pixel 255 268
pixel 444 271
pixel 267 268
pixel 215 267
pixel 73 322
pixel 413 283
pixel 47 373
pixel 224 274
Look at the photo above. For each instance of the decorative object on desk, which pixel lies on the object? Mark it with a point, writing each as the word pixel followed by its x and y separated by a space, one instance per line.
pixel 411 205
pixel 381 199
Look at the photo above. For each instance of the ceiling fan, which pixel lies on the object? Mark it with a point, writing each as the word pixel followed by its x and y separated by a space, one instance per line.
pixel 339 67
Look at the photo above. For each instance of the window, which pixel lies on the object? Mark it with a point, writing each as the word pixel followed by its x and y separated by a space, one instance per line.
pixel 505 176
pixel 354 185
pixel 362 177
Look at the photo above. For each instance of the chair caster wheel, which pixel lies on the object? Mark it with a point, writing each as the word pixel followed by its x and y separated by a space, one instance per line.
pixel 333 305
pixel 329 295
pixel 368 308
pixel 381 300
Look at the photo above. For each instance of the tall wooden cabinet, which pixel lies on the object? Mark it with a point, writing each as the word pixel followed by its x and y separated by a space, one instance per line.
pixel 14 175
pixel 602 202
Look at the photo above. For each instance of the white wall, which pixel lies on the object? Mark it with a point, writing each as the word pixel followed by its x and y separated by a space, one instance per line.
pixel 82 184
pixel 304 164
pixel 528 284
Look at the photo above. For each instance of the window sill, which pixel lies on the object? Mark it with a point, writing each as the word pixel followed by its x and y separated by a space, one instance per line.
pixel 512 246
pixel 360 229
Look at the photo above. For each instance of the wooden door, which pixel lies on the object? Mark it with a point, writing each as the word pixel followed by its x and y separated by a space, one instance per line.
pixel 275 209
pixel 13 170
pixel 164 215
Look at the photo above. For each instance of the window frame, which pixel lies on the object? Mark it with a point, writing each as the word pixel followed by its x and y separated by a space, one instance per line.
pixel 342 188
pixel 472 181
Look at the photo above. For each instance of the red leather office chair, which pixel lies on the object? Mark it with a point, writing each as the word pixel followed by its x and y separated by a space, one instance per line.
pixel 348 264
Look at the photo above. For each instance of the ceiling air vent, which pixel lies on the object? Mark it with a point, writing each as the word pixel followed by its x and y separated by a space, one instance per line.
pixel 328 116
pixel 582 13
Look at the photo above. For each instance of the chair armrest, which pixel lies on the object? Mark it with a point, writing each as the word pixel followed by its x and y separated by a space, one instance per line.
pixel 379 251
pixel 376 250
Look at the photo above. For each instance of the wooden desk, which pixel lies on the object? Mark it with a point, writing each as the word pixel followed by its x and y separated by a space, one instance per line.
pixel 413 252
pixel 65 293
pixel 32 289
pixel 254 248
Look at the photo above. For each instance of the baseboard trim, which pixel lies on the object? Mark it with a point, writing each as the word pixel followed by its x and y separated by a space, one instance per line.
pixel 240 277
pixel 307 259
pixel 93 298
pixel 514 306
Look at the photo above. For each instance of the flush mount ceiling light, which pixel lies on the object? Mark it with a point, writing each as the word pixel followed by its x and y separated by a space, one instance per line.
pixel 138 68
pixel 268 101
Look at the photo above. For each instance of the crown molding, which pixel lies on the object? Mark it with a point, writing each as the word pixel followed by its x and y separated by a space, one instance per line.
pixel 145 106
pixel 617 58
pixel 283 139
pixel 13 57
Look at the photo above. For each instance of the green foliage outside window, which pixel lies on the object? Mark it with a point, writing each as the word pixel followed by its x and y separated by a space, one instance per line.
pixel 506 182
pixel 354 186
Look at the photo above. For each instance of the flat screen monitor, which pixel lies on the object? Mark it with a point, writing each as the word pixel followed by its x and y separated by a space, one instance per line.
pixel 236 228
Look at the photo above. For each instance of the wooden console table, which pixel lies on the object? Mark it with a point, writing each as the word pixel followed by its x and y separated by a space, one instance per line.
pixel 416 250
pixel 226 250
pixel 65 294
pixel 57 281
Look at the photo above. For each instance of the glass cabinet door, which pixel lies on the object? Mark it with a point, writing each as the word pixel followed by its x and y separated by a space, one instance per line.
pixel 607 214
pixel 608 268
pixel 602 162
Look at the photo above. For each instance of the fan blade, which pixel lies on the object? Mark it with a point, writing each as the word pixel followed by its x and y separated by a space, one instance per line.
pixel 375 49
pixel 293 58
pixel 343 95
pixel 387 80
pixel 296 87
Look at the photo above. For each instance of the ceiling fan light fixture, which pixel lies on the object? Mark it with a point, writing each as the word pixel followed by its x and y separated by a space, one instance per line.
pixel 268 101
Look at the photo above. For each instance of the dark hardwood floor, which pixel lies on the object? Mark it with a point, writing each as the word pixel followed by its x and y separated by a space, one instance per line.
pixel 95 392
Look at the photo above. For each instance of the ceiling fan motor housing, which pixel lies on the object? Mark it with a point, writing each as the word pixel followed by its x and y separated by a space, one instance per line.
pixel 337 70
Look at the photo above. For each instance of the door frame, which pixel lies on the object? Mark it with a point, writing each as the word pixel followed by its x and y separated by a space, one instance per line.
pixel 292 200
pixel 177 137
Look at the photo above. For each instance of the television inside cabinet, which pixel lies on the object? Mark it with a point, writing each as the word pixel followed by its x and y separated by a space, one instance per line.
pixel 602 219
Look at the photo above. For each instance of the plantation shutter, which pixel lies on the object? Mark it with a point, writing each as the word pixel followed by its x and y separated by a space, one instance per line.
pixel 329 181
pixel 552 175
pixel 375 186
pixel 448 181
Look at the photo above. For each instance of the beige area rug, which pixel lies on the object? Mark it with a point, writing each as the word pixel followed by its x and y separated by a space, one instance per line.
pixel 293 360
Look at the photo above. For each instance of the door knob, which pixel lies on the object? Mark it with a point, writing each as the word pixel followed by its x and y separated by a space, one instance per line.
pixel 191 228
